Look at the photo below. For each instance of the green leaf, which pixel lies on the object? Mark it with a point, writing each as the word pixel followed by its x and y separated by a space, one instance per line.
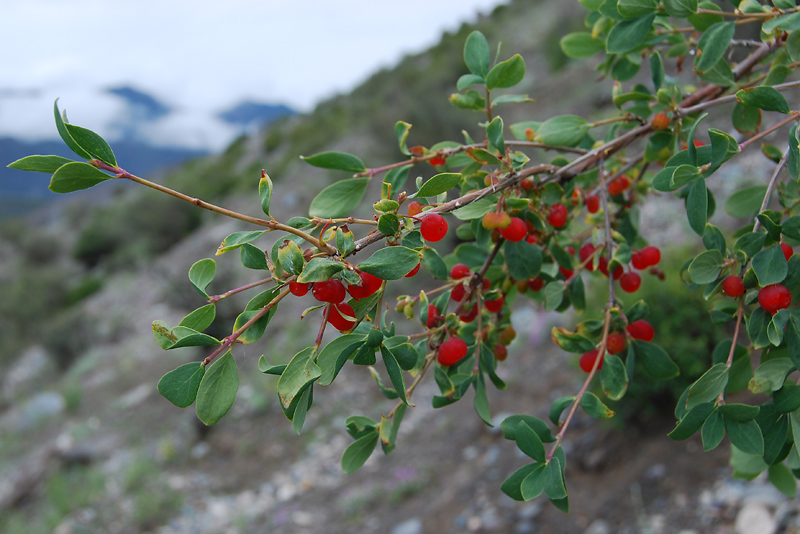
pixel 745 436
pixel 757 328
pixel 739 412
pixel 470 100
pixel 265 191
pixel 396 178
pixel 510 425
pixel 691 422
pixel 468 80
pixel 61 126
pixel 201 318
pixel 720 74
pixel 705 268
pixel 439 184
pixel 750 243
pixel 512 99
pixel 680 9
pixel 746 119
pixel 390 263
pixel 332 358
pixel 434 263
pixel 580 45
pixel 401 130
pixel 201 273
pixel 564 130
pixel 770 266
pixel 784 23
pixel 512 486
pixel 476 209
pixel 237 239
pixel 180 385
pixel 217 390
pixel 613 377
pixel 395 372
pixel 389 224
pixel 320 270
pixel 76 176
pixel 336 160
pixel 697 207
pixel 494 132
pixel 253 257
pixel 256 330
pixel 636 8
pixel 303 405
pixel 290 258
pixel 713 44
pixel 48 164
pixel 92 143
pixel 529 442
pixel 188 337
pixel 683 175
pixel 476 54
pixel 524 260
pixel 783 479
pixel 359 451
pixel 553 295
pixel 703 21
pixel 533 485
pixel 558 407
pixel 629 34
pixel 709 386
pixel 763 97
pixel 794 153
pixel 593 406
pixel 481 402
pixel 554 486
pixel 769 376
pixel 338 199
pixel 791 227
pixel 299 373
pixel 713 431
pixel 506 74
pixel 656 70
pixel 787 399
pixel 655 361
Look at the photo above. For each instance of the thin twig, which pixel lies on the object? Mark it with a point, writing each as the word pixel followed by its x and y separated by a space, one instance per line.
pixel 770 187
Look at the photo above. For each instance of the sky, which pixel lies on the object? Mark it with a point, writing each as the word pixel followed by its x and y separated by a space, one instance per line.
pixel 201 57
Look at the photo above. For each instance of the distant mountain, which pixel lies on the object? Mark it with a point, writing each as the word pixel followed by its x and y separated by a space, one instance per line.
pixel 20 191
pixel 254 114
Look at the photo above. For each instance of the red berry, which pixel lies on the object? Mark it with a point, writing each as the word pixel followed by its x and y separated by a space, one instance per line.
pixel 337 317
pixel 642 330
pixel 638 260
pixel 437 161
pixel 500 352
pixel 495 305
pixel 558 215
pixel 535 284
pixel 774 297
pixel 451 351
pixel 618 185
pixel 433 227
pixel 661 121
pixel 566 272
pixel 369 286
pixel 329 291
pixel 298 289
pixel 586 252
pixel 587 361
pixel 787 251
pixel 459 271
pixel 651 255
pixel 433 317
pixel 732 286
pixel 414 208
pixel 469 315
pixel 615 343
pixel 515 231
pixel 698 144
pixel 458 292
pixel 413 271
pixel 485 284
pixel 630 282
pixel 603 267
pixel 592 203
pixel 526 184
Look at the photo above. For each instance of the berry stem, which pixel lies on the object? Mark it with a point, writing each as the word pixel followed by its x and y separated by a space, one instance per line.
pixel 729 362
pixel 770 187
pixel 573 408
pixel 318 341
pixel 793 117
pixel 216 298
pixel 228 341
pixel 272 224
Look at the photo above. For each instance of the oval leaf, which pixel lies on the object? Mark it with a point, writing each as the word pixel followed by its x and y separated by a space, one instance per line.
pixel 76 176
pixel 439 184
pixel 507 73
pixel 338 199
pixel 180 385
pixel 476 54
pixel 763 97
pixel 217 390
pixel 391 263
pixel 336 160
pixel 48 164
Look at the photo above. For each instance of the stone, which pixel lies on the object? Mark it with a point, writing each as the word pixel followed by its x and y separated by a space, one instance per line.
pixel 755 518
pixel 410 526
